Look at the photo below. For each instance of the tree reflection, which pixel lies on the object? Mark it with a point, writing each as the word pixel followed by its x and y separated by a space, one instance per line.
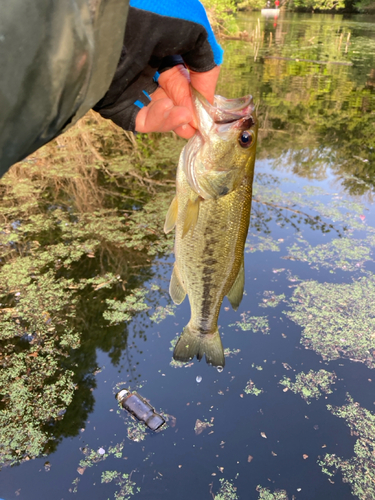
pixel 313 116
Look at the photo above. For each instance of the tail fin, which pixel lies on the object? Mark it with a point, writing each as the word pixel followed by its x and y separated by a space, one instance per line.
pixel 192 343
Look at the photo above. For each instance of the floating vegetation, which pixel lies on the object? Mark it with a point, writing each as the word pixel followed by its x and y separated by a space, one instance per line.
pixel 162 312
pixel 93 457
pixel 252 389
pixel 258 243
pixel 121 311
pixel 271 299
pixel 338 320
pixel 310 385
pixel 128 488
pixel 173 362
pixel 253 323
pixel 359 470
pixel 347 254
pixel 136 430
pixel 266 494
pixel 227 491
pixel 229 353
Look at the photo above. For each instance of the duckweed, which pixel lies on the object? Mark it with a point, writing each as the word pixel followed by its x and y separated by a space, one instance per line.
pixel 338 320
pixel 252 323
pixel 359 470
pixel 310 385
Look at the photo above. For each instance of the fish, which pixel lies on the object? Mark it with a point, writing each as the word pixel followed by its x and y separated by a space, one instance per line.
pixel 211 216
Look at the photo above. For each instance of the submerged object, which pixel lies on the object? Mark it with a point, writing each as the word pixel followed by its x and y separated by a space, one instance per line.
pixel 140 408
pixel 211 214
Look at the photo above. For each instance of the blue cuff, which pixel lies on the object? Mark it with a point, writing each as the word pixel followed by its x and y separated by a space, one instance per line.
pixel 189 10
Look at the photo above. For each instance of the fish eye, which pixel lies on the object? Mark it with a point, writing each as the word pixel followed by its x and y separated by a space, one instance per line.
pixel 245 139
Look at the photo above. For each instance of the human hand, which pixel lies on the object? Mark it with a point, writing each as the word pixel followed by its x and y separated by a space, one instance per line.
pixel 171 106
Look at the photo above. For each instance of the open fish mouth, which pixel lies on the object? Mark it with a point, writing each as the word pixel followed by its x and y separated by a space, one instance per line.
pixel 213 162
pixel 224 110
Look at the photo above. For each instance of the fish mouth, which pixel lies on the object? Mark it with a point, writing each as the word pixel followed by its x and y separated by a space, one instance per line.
pixel 229 111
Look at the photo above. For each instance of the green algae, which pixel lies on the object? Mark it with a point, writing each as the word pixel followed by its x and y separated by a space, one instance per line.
pixel 252 323
pixel 266 494
pixel 310 385
pixel 359 470
pixel 338 320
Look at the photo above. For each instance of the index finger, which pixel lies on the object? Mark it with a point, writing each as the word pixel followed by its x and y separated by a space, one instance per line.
pixel 205 82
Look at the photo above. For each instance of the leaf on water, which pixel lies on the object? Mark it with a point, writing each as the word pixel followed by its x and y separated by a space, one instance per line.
pixel 200 426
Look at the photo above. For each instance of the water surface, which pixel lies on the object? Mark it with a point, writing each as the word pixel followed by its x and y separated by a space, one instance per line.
pixel 292 414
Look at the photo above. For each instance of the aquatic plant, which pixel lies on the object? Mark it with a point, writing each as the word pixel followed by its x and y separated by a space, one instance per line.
pixel 271 299
pixel 128 487
pixel 266 494
pixel 161 312
pixel 347 254
pixel 252 323
pixel 338 320
pixel 310 385
pixel 227 491
pixel 359 470
pixel 252 389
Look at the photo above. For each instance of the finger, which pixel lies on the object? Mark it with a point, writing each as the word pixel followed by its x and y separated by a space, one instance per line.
pixel 185 131
pixel 205 82
pixel 176 84
pixel 161 116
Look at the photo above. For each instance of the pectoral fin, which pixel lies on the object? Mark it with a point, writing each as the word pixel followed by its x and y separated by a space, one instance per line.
pixel 236 292
pixel 191 216
pixel 176 289
pixel 171 218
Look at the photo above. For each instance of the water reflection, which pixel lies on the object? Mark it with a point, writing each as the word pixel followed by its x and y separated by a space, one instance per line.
pixel 315 115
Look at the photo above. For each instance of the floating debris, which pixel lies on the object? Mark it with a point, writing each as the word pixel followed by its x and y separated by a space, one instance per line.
pixel 201 426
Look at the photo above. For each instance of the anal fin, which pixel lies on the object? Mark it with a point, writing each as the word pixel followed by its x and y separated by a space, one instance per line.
pixel 171 217
pixel 235 294
pixel 176 289
pixel 191 217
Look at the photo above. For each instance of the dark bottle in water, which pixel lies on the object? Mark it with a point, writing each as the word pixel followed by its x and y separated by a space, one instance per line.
pixel 140 408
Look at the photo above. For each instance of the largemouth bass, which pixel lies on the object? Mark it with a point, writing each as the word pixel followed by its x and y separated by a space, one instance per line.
pixel 211 213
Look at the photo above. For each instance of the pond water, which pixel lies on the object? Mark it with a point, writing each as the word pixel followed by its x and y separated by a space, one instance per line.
pixel 86 310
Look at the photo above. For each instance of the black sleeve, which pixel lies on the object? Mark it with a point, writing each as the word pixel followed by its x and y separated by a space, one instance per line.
pixel 153 42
